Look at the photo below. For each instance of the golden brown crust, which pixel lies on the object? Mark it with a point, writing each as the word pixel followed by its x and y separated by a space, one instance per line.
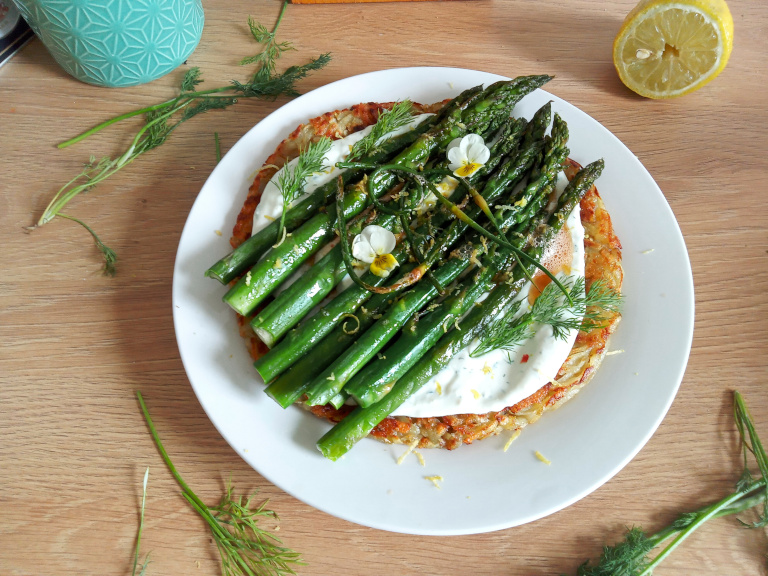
pixel 602 261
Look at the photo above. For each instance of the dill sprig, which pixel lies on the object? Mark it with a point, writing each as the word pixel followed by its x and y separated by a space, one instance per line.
pixel 143 568
pixel 291 179
pixel 109 255
pixel 630 557
pixel 161 119
pixel 245 548
pixel 272 48
pixel 389 120
pixel 586 312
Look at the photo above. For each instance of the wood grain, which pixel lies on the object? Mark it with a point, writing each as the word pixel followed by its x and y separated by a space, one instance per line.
pixel 76 345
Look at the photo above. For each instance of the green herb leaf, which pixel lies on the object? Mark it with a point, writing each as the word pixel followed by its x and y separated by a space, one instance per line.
pixel 586 313
pixel 284 84
pixel 272 49
pixel 245 548
pixel 389 120
pixel 291 180
pixel 626 558
pixel 191 79
pixel 109 255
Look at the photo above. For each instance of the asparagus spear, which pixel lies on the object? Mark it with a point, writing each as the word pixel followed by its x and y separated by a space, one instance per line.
pixel 477 113
pixel 361 421
pixel 290 385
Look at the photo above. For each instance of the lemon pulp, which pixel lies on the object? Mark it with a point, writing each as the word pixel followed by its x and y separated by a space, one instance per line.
pixel 667 49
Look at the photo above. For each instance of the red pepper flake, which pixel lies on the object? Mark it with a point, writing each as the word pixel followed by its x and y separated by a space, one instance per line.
pixel 524 359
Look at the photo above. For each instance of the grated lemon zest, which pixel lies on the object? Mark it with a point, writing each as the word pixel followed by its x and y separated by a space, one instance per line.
pixel 434 480
pixel 248 278
pixel 420 457
pixel 511 439
pixel 217 232
pixel 475 393
pixel 411 448
pixel 439 388
pixel 541 457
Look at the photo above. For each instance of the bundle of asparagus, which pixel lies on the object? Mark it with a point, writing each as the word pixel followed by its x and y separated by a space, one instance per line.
pixel 484 234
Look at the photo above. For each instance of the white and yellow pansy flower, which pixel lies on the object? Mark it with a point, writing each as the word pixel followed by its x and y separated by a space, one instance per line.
pixel 374 246
pixel 467 155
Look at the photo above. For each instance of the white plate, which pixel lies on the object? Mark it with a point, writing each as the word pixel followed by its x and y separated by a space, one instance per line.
pixel 588 440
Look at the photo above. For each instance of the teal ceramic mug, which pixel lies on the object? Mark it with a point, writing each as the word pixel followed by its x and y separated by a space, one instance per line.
pixel 116 42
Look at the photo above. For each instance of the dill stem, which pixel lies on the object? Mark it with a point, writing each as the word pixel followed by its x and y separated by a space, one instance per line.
pixel 140 111
pixel 221 535
pixel 280 17
pixel 114 120
pixel 724 507
pixel 188 494
pixel 63 196
pixel 141 523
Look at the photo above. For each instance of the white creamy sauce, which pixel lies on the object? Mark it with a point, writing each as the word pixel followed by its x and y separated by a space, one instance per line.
pixel 498 379
pixel 270 206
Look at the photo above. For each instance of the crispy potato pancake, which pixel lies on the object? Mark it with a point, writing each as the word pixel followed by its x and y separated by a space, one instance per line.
pixel 602 262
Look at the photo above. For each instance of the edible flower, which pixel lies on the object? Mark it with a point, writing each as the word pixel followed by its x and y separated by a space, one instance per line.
pixel 374 246
pixel 467 155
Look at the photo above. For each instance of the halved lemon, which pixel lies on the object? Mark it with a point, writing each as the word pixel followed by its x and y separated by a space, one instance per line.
pixel 669 48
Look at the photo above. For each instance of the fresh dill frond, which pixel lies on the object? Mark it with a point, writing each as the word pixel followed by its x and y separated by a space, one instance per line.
pixel 109 255
pixel 245 548
pixel 586 312
pixel 628 557
pixel 389 120
pixel 631 556
pixel 161 119
pixel 280 84
pixel 205 104
pixel 291 180
pixel 191 80
pixel 272 48
pixel 143 568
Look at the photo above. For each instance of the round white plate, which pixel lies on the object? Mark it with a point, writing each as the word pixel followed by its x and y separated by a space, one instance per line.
pixel 588 440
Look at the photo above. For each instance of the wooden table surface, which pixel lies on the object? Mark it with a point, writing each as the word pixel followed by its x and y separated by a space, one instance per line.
pixel 75 345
